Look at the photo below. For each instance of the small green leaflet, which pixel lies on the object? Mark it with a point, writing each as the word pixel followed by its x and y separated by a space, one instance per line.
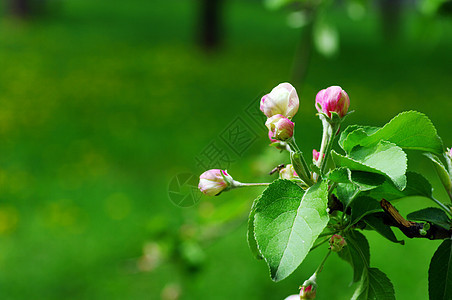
pixel 440 272
pixel 356 253
pixel 287 222
pixel 353 134
pixel 346 193
pixel 375 221
pixel 374 285
pixel 433 215
pixel 409 130
pixel 363 180
pixel 417 185
pixel 441 170
pixel 383 158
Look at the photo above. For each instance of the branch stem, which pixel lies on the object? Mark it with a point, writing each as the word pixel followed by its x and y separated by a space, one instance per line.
pixel 319 269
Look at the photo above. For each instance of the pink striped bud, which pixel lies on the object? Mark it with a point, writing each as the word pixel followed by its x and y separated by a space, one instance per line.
pixel 281 127
pixel 332 99
pixel 282 100
pixel 337 242
pixel 213 182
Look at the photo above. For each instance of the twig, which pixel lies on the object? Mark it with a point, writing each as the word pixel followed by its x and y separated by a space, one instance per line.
pixel 412 229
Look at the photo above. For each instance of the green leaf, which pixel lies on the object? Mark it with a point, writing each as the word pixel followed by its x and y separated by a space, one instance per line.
pixel 375 285
pixel 346 192
pixel 356 253
pixel 375 221
pixel 440 272
pixel 287 222
pixel 353 134
pixel 433 215
pixel 363 180
pixel 441 170
pixel 383 158
pixel 250 232
pixel 366 180
pixel 417 185
pixel 363 206
pixel 408 130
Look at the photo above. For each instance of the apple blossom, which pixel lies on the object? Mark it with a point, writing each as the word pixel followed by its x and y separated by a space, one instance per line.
pixel 280 126
pixel 214 181
pixel 283 100
pixel 288 173
pixel 332 99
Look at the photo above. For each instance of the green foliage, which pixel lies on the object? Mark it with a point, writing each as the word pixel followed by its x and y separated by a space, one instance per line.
pixel 363 206
pixel 443 174
pixel 356 253
pixel 383 158
pixel 287 221
pixel 375 222
pixel 409 130
pixel 362 180
pixel 432 215
pixel 374 285
pixel 440 272
pixel 417 185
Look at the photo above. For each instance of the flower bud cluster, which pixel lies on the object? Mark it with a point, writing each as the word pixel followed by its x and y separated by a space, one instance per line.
pixel 280 105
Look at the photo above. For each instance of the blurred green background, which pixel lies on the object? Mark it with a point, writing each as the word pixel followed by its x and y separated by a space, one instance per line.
pixel 103 103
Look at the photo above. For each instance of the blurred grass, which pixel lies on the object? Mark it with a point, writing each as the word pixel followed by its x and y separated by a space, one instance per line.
pixel 102 103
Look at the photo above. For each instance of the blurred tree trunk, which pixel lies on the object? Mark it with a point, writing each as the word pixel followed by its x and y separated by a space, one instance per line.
pixel 20 8
pixel 210 19
pixel 304 50
pixel 391 12
pixel 27 8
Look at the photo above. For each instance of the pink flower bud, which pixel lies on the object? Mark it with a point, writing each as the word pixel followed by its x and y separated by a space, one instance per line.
pixel 288 173
pixel 270 136
pixel 282 100
pixel 316 155
pixel 337 242
pixel 308 292
pixel 213 182
pixel 332 99
pixel 280 126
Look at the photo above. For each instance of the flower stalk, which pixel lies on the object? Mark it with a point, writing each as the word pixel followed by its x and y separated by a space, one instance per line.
pixel 299 163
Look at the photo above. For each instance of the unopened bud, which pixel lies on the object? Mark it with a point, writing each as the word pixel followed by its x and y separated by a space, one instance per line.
pixel 309 288
pixel 449 153
pixel 337 242
pixel 213 182
pixel 308 292
pixel 283 100
pixel 281 127
pixel 316 155
pixel 332 99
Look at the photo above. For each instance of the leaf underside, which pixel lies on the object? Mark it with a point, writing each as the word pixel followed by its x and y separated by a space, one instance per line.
pixel 287 222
